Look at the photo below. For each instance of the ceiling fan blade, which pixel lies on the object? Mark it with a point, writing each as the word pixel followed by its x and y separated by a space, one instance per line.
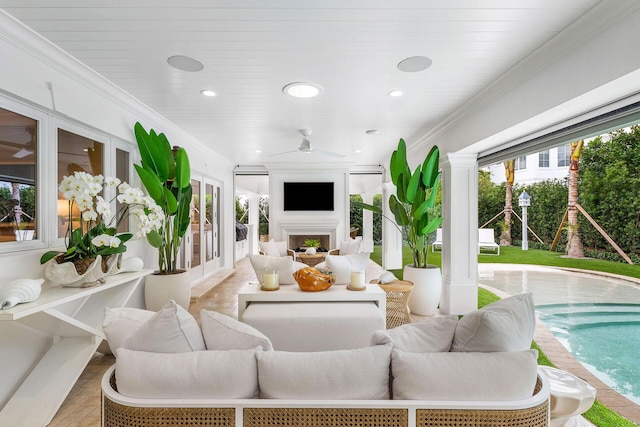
pixel 284 152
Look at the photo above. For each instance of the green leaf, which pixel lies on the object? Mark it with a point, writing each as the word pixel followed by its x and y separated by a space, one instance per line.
pixel 152 151
pixel 398 161
pixel 412 187
pixel 183 169
pixel 398 211
pixel 152 184
pixel 184 214
pixel 170 204
pixel 434 192
pixel 432 226
pixel 154 238
pixel 168 154
pixel 431 167
pixel 125 237
pixel 372 208
pixel 48 256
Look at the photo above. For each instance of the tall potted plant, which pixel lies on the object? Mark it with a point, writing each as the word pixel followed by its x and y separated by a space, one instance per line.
pixel 413 207
pixel 166 174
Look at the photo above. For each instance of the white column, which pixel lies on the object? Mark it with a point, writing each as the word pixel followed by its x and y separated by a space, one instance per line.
pixel 391 236
pixel 254 223
pixel 459 233
pixel 367 224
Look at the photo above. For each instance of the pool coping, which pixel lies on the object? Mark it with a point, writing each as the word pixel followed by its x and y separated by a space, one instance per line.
pixel 563 359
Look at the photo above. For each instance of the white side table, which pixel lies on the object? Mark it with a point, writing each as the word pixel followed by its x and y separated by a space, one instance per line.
pixel 570 397
pixel 47 343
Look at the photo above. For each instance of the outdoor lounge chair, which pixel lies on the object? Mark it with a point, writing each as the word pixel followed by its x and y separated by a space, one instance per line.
pixel 486 241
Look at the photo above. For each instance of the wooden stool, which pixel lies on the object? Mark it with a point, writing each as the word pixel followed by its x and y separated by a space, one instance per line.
pixel 398 293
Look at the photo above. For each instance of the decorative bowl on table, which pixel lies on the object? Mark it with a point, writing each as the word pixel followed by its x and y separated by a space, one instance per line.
pixel 310 279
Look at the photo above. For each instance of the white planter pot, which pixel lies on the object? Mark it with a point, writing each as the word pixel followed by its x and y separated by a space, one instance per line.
pixel 427 288
pixel 160 289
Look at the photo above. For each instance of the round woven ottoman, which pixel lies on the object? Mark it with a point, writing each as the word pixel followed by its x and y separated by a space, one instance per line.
pixel 570 397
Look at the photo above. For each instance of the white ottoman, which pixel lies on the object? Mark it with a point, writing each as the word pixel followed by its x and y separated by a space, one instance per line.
pixel 316 326
pixel 570 397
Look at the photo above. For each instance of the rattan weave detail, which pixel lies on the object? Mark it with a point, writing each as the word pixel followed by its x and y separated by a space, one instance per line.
pixel 398 293
pixel 531 417
pixel 116 415
pixel 322 417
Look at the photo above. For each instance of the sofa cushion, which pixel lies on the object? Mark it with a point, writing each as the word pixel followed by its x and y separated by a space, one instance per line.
pixel 464 376
pixel 222 332
pixel 171 330
pixel 273 248
pixel 505 325
pixel 430 335
pixel 230 374
pixel 361 373
pixel 341 265
pixel 120 323
pixel 285 266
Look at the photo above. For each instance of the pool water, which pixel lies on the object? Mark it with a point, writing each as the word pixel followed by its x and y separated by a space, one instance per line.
pixel 603 337
pixel 596 318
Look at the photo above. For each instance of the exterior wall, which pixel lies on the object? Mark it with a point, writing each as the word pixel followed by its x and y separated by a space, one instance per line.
pixel 37 74
pixel 533 172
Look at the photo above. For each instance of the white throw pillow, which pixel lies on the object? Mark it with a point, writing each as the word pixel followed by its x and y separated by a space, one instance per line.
pixel 505 325
pixel 283 265
pixel 120 323
pixel 361 373
pixel 230 374
pixel 269 248
pixel 340 265
pixel 464 376
pixel 225 333
pixel 430 335
pixel 351 246
pixel 170 330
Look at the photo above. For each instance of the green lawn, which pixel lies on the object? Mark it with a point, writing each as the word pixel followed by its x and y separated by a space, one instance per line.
pixel 599 414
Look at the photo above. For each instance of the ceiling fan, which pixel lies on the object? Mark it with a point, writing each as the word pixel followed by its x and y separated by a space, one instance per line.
pixel 305 146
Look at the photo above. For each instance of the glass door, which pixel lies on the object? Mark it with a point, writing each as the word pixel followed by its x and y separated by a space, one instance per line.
pixel 202 245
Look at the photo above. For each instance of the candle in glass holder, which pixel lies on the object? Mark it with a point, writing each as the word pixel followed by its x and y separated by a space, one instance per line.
pixel 270 280
pixel 356 279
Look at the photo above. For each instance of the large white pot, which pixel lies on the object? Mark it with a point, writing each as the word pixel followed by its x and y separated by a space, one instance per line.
pixel 160 289
pixel 427 288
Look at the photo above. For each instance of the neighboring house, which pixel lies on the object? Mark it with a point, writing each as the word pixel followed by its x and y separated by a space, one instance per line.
pixel 548 164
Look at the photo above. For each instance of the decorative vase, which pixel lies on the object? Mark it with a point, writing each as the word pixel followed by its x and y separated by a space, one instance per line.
pixel 427 288
pixel 65 273
pixel 162 288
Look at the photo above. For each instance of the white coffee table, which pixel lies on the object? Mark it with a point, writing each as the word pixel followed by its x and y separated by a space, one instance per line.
pixel 292 293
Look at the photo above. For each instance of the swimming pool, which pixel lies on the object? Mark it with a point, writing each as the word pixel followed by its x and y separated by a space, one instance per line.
pixel 597 318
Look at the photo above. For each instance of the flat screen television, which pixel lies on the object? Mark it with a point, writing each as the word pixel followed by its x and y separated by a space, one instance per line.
pixel 308 196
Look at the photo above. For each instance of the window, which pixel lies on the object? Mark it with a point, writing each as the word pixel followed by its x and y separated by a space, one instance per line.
pixel 564 155
pixel 543 159
pixel 122 173
pixel 18 152
pixel 521 163
pixel 75 154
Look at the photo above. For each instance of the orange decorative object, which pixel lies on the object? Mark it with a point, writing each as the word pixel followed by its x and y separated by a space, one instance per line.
pixel 311 280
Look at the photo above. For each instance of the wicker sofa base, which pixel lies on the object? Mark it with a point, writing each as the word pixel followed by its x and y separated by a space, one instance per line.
pixel 120 411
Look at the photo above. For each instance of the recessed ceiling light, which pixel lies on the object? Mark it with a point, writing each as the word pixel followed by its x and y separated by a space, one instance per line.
pixel 395 93
pixel 372 132
pixel 302 90
pixel 257 150
pixel 22 153
pixel 415 63
pixel 207 92
pixel 357 151
pixel 185 63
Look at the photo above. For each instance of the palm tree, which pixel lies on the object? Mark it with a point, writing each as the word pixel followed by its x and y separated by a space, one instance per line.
pixel 574 244
pixel 509 171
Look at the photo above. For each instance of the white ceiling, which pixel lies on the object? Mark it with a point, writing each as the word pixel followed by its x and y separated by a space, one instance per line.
pixel 252 48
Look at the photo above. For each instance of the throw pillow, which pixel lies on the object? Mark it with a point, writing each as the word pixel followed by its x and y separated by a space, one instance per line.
pixel 170 330
pixel 361 373
pixel 430 335
pixel 505 325
pixel 340 265
pixel 283 265
pixel 270 248
pixel 349 247
pixel 225 333
pixel 230 374
pixel 120 323
pixel 464 376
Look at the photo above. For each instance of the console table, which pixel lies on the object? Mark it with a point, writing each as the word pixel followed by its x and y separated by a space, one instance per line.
pixel 47 343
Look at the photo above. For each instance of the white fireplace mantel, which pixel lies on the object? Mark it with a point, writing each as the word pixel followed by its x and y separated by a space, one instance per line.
pixel 325 227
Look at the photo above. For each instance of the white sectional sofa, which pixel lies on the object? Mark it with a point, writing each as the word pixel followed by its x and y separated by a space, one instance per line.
pixel 440 372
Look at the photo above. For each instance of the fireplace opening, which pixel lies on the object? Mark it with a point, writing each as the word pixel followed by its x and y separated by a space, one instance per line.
pixel 296 242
